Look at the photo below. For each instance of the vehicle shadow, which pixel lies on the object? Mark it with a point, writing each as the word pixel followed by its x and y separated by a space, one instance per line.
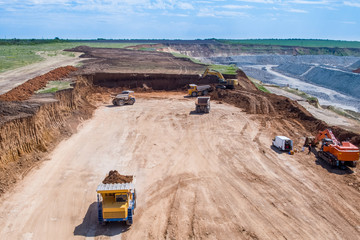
pixel 187 96
pixel 90 226
pixel 336 170
pixel 275 149
pixel 193 112
pixel 114 106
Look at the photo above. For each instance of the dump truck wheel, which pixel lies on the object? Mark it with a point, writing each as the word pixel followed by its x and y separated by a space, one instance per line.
pixel 197 109
pixel 114 102
pixel 194 94
pixel 353 164
pixel 121 102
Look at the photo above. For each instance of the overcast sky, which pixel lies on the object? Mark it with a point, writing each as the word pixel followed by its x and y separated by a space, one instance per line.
pixel 186 19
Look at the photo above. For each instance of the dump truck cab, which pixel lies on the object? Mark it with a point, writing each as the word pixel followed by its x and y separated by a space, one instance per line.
pixel 116 202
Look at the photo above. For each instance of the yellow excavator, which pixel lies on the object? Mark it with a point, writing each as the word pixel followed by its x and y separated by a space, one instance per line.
pixel 227 83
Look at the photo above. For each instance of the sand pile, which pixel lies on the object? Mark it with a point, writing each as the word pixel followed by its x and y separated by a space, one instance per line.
pixel 115 177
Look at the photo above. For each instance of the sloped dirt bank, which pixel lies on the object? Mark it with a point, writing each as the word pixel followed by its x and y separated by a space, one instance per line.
pixel 254 101
pixel 30 128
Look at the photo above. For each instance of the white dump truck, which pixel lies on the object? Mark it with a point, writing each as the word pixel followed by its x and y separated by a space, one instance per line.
pixel 202 104
pixel 283 143
pixel 126 97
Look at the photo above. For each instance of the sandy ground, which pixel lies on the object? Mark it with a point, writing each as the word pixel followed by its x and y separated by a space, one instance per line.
pixel 13 78
pixel 210 176
pixel 326 115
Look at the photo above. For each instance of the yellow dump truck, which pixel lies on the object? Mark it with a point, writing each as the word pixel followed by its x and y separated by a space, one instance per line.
pixel 116 202
pixel 195 90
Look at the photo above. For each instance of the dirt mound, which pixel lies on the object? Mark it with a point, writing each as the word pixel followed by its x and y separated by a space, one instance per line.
pixel 115 177
pixel 14 110
pixel 27 89
pixel 244 81
pixel 251 102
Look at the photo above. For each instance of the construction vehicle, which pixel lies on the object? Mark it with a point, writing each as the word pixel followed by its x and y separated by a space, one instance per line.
pixel 334 152
pixel 196 90
pixel 116 202
pixel 202 104
pixel 126 97
pixel 223 83
pixel 283 143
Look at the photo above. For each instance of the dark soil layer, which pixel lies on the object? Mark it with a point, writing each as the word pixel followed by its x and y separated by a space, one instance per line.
pixel 154 81
pixel 116 60
pixel 115 177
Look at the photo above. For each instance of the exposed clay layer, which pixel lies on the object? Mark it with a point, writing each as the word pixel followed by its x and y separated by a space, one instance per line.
pixel 37 127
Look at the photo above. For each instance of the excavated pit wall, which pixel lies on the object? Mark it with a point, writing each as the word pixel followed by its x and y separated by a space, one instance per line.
pixel 24 138
pixel 155 81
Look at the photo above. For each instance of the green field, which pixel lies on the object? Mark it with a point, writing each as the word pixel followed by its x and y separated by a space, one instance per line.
pixel 295 42
pixel 55 86
pixel 179 55
pixel 17 54
pixel 225 69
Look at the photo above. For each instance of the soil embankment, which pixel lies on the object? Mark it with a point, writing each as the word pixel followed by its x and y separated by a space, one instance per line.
pixel 254 101
pixel 28 129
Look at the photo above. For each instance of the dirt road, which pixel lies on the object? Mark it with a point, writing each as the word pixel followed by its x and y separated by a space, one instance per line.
pixel 211 176
pixel 13 78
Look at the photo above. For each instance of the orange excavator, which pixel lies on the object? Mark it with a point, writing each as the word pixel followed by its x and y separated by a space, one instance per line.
pixel 335 152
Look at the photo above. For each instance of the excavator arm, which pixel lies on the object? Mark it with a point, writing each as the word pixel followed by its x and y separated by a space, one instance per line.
pixel 327 133
pixel 213 72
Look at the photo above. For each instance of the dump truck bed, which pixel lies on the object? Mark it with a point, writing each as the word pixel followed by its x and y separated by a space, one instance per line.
pixel 202 100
